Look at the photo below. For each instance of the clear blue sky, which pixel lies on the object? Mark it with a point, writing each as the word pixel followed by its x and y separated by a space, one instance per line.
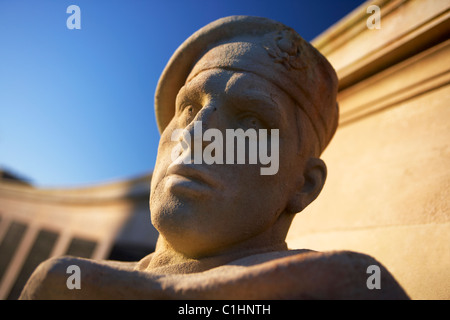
pixel 76 106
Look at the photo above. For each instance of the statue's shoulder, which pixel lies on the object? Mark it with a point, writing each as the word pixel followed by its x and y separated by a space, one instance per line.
pixel 304 257
pixel 347 275
pixel 330 275
pixel 56 278
pixel 333 261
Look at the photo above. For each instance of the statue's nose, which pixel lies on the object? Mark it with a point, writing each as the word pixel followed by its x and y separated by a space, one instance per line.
pixel 209 117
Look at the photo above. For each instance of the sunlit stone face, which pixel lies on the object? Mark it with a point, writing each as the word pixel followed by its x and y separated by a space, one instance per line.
pixel 202 208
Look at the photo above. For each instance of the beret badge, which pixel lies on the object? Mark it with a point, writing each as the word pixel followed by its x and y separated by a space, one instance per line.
pixel 284 47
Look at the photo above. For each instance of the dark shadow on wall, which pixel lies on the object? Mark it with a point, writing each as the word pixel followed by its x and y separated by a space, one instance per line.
pixel 137 237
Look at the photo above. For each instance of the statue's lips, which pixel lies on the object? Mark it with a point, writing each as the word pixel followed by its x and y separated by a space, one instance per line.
pixel 192 173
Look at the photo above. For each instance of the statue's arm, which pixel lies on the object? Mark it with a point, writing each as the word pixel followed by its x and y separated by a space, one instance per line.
pixel 98 280
pixel 304 276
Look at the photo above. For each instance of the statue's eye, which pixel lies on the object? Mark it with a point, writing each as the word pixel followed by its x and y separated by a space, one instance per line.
pixel 188 112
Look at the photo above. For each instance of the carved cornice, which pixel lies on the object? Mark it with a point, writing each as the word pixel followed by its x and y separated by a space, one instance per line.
pixel 379 68
pixel 138 187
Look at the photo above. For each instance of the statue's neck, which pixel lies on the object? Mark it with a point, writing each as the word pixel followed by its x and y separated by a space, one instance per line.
pixel 165 260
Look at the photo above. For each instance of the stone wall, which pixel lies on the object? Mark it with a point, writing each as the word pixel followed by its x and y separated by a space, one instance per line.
pixel 107 221
pixel 388 188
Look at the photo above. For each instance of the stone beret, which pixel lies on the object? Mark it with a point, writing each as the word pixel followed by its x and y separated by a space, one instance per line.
pixel 264 47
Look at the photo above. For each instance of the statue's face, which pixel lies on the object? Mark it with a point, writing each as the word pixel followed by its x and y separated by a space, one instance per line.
pixel 201 209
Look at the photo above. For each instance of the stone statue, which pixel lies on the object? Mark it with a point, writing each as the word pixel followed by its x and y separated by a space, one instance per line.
pixel 223 225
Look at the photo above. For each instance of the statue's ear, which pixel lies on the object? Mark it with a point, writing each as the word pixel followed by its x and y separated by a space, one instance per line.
pixel 309 187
